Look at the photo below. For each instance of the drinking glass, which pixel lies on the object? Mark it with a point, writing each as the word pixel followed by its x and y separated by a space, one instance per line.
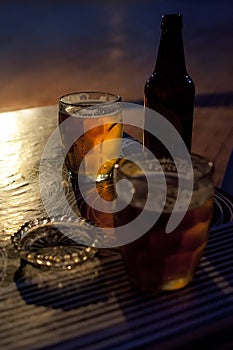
pixel 90 125
pixel 158 260
pixel 91 131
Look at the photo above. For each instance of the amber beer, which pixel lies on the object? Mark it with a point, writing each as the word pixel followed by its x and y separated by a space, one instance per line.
pixel 97 121
pixel 101 217
pixel 167 261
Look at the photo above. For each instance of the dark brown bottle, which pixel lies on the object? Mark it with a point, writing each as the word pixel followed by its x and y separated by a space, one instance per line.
pixel 170 90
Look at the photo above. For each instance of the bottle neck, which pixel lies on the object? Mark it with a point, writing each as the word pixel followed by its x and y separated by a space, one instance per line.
pixel 170 59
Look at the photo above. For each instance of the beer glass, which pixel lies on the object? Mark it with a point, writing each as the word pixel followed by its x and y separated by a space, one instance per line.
pixel 158 260
pixel 91 132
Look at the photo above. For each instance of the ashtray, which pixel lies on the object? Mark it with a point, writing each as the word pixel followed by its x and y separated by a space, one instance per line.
pixel 60 241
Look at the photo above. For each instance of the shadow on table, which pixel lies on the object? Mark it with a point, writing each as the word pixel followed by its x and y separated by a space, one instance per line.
pixel 65 289
pixel 136 318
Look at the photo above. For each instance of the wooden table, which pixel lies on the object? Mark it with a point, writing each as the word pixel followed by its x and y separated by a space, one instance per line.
pixel 94 306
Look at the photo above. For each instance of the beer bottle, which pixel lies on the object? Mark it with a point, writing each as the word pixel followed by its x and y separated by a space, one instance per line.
pixel 170 90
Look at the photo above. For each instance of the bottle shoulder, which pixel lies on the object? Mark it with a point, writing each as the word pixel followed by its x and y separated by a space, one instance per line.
pixel 163 80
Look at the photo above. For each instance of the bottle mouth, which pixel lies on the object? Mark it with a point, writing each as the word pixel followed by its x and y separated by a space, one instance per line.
pixel 173 20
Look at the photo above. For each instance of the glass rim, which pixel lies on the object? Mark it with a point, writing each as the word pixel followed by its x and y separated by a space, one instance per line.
pixel 207 166
pixel 117 97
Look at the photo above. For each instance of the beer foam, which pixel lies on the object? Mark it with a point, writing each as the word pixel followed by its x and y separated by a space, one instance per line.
pixel 178 174
pixel 156 195
pixel 198 198
pixel 106 109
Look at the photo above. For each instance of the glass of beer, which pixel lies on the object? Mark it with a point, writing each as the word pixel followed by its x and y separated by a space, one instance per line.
pixel 159 260
pixel 91 131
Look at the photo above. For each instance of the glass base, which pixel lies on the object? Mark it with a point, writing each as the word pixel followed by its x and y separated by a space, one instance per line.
pixel 162 286
pixel 176 283
pixel 88 179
